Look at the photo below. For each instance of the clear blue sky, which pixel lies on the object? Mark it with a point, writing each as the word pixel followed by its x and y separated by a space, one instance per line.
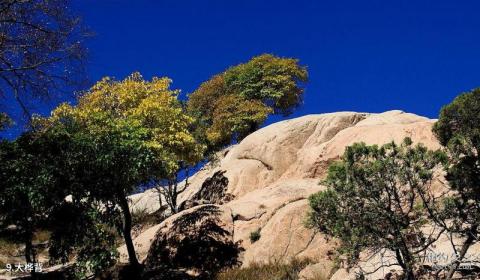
pixel 368 56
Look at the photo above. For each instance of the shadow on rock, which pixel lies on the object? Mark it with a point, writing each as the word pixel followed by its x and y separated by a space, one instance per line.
pixel 212 191
pixel 196 243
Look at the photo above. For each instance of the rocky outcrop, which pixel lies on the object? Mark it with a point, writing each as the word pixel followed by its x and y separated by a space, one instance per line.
pixel 270 175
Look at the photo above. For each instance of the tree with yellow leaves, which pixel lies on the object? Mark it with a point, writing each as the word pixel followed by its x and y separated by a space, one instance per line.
pixel 123 134
pixel 236 102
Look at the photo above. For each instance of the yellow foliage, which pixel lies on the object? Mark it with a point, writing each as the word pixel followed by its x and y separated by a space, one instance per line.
pixel 265 85
pixel 235 115
pixel 202 101
pixel 149 106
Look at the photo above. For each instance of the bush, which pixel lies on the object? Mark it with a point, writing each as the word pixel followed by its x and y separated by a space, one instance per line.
pixel 255 235
pixel 141 217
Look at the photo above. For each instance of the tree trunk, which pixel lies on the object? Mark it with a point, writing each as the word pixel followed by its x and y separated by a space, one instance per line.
pixel 407 263
pixel 408 269
pixel 172 192
pixel 409 275
pixel 160 200
pixel 127 232
pixel 30 252
pixel 463 252
pixel 174 203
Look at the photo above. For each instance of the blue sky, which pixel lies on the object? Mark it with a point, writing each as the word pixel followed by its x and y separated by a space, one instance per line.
pixel 368 56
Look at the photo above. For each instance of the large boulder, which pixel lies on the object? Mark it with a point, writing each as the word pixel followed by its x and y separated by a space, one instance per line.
pixel 266 180
pixel 299 148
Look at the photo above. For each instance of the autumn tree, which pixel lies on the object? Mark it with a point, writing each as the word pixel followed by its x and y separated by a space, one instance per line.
pixel 127 133
pixel 373 201
pixel 458 130
pixel 235 103
pixel 273 80
pixel 41 48
pixel 236 114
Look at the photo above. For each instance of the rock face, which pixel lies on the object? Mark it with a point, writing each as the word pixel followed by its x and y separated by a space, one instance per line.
pixel 270 175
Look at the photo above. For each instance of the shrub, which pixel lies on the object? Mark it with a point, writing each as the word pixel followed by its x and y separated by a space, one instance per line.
pixel 372 199
pixel 255 235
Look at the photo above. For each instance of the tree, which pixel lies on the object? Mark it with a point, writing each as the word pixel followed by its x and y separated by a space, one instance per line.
pixel 273 80
pixel 28 193
pixel 236 102
pixel 169 188
pixel 373 201
pixel 458 130
pixel 203 99
pixel 126 133
pixel 41 48
pixel 78 224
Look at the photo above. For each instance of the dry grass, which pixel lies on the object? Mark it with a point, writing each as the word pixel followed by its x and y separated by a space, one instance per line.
pixel 272 271
pixel 8 247
pixel 41 236
pixel 142 218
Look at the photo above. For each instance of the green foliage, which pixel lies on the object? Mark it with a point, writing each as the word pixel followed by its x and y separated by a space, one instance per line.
pixel 28 192
pixel 373 196
pixel 98 254
pixel 235 103
pixel 458 129
pixel 33 193
pixel 133 115
pixel 457 125
pixel 255 235
pixel 236 117
pixel 81 229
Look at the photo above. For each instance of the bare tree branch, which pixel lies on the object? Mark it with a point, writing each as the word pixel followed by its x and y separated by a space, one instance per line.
pixel 41 49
